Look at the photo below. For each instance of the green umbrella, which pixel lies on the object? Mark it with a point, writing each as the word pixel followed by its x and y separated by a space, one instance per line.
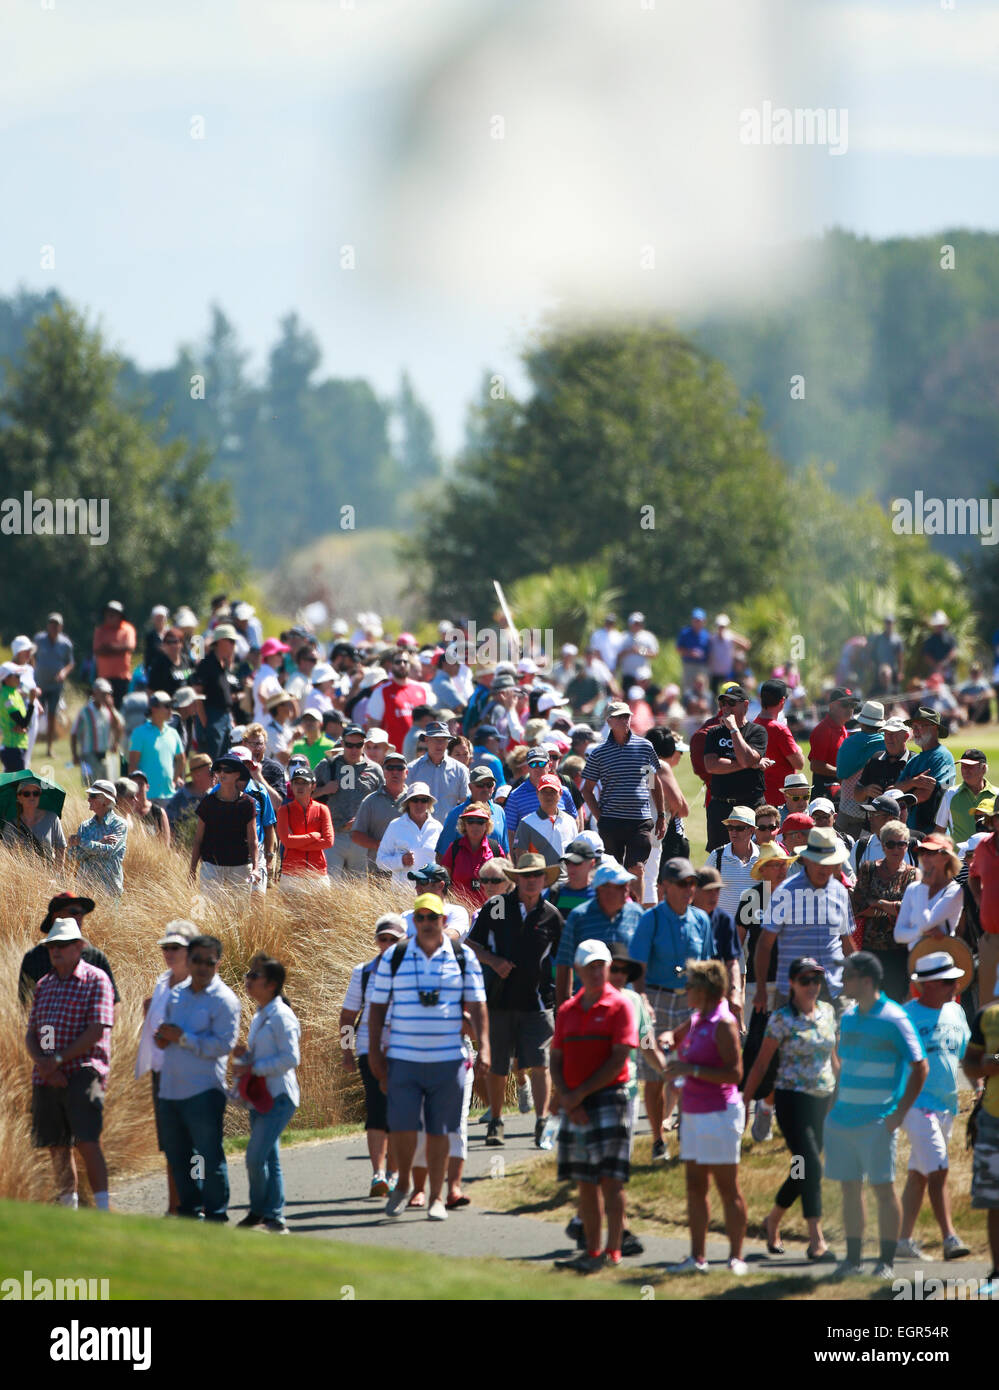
pixel 52 798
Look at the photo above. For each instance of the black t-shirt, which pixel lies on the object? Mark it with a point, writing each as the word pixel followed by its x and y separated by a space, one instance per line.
pixel 745 787
pixel 883 771
pixel 210 675
pixel 37 963
pixel 939 645
pixel 529 942
pixel 748 916
pixel 162 674
pixel 225 823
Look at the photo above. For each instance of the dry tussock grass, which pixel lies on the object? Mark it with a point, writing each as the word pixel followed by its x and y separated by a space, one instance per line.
pixel 319 937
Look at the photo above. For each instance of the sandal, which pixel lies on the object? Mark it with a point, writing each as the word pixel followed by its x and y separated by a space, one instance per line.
pixel 417 1200
pixel 453 1202
pixel 826 1258
pixel 772 1247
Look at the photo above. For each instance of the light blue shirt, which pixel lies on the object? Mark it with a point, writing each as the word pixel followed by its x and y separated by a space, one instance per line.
pixel 944 1034
pixel 99 862
pixel 157 749
pixel 875 1051
pixel 664 942
pixel 209 1020
pixel 272 1048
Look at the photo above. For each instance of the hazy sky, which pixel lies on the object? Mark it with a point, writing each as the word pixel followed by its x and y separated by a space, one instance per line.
pixel 485 160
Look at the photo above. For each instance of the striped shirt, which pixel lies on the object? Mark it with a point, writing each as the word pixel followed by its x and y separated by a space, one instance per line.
pixel 736 876
pixel 810 922
pixel 625 772
pixel 429 1033
pixel 589 922
pixel 875 1049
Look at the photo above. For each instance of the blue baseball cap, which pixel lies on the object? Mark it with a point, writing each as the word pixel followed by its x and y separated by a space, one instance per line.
pixel 698 613
pixel 611 873
pixel 485 731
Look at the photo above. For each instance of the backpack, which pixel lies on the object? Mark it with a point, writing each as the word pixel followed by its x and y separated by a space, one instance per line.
pixel 398 951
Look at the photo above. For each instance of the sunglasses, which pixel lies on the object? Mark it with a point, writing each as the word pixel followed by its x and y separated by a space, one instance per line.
pixel 354 745
pixel 766 825
pixel 204 960
pixel 309 658
pixel 492 880
pixel 419 801
pixel 534 873
pixel 809 979
pixel 35 793
pixel 899 844
pixel 426 917
pixel 619 970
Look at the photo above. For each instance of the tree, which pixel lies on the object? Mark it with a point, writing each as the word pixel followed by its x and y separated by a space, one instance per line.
pixel 418 457
pixel 65 435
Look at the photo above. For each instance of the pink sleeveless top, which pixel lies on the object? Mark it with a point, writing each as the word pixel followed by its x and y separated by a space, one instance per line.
pixel 700 1049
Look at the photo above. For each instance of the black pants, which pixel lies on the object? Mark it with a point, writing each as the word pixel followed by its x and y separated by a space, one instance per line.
pixel 895 964
pixel 119 689
pixel 720 810
pixel 802 1118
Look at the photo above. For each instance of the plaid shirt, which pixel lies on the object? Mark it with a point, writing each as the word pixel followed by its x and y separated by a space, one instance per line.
pixel 69 1006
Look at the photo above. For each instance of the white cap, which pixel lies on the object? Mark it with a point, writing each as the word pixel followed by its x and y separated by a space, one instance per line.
pixel 939 618
pixel 722 620
pixel 821 803
pixel 588 951
pixel 526 667
pixel 323 672
pixel 636 618
pixel 339 628
pixel 243 612
pixel 21 644
pixel 63 929
pixel 635 692
pixel 570 649
pixel 376 736
pixel 10 668
pixel 159 610
pixel 551 700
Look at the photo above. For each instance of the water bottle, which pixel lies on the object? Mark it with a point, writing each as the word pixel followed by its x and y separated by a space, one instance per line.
pixel 549 1132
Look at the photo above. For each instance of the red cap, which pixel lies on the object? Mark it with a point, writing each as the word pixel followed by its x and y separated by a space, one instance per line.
pixel 549 780
pixel 797 821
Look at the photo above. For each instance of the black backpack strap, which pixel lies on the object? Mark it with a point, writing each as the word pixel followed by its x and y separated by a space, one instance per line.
pixel 718 858
pixel 366 974
pixel 398 952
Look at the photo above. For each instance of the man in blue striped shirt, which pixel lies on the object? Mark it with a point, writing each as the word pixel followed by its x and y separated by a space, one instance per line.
pixel 424 1069
pixel 626 767
pixel 882 1070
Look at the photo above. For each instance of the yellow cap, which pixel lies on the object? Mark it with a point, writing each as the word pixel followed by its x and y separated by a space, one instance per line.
pixel 429 902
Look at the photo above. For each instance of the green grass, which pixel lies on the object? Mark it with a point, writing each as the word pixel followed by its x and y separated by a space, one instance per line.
pixel 149 1258
pixel 236 1143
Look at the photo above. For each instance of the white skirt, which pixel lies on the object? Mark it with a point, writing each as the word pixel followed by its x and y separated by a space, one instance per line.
pixel 713 1138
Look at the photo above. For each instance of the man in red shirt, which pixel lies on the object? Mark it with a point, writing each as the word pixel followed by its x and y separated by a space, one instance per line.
pixel 781 748
pixel 983 880
pixel 826 738
pixel 595 1031
pixel 114 643
pixel 391 704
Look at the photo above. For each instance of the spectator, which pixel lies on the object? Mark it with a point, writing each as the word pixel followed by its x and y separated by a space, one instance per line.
pixel 722 649
pixel 210 678
pixel 954 815
pixel 446 777
pixel 883 1069
pixel 152 818
pixel 71 1015
pixel 594 1034
pixel 981 1064
pixel 710 1064
pixel 728 947
pixel 735 760
pixel 607 641
pixel 376 746
pixel 199 781
pixel 436 879
pixel 884 769
pixel 804 1035
pixel 549 830
pixel 299 683
pixel 306 831
pixel 114 643
pixel 409 841
pixel 34 830
pixel 767 821
pixel 667 938
pixel 524 797
pixel 877 899
pixel 932 906
pixel 852 757
pixel 880 811
pixel 637 650
pixel 199 1031
pixel 324 689
pixel 426 981
pixel 794 832
pixel 225 839
pixel 265 1068
pixel 810 916
pixel 15 718
pixel 481 785
pixel 277 726
pixel 580 859
pixel 99 845
pixel 826 738
pixel 823 813
pixel 693 645
pixel 53 663
pixel 795 795
pixel 886 652
pixel 735 860
pixel 930 773
pixel 95 733
pixel 943 1031
pixel 983 880
pixel 354 1044
pixel 625 766
pixel 36 962
pixel 609 916
pixel 391 703
pixel 266 682
pixel 173 943
pixel 313 745
pixel 975 695
pixel 782 751
pixel 379 809
pixel 939 651
pixel 156 748
pixel 467 856
pixel 343 781
pixel 516 936
pixel 167 669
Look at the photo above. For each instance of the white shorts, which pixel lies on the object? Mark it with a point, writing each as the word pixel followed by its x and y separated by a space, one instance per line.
pixel 929 1135
pixel 713 1138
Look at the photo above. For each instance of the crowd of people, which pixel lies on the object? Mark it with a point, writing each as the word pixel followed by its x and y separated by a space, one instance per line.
pixel 833 962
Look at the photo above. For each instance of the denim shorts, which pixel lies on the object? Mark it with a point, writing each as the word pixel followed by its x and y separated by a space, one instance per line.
pixel 435 1088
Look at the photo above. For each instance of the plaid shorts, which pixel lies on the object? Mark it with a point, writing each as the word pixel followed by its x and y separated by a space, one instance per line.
pixel 670 1008
pixel 985 1171
pixel 602 1148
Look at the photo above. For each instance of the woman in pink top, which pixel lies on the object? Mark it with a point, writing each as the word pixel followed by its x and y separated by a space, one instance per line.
pixel 712 1120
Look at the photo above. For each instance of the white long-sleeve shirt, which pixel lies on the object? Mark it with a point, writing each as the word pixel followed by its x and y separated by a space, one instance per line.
pixel 404 834
pixel 919 913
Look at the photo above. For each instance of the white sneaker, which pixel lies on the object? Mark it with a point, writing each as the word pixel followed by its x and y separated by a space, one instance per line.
pixel 524 1102
pixel 909 1250
pixel 437 1211
pixel 689 1266
pixel 738 1267
pixel 397 1201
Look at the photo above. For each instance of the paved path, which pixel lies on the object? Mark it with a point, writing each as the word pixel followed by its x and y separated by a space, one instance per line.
pixel 326 1188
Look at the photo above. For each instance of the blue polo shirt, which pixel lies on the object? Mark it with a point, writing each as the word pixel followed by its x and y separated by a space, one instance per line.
pixel 855 750
pixel 664 942
pixel 589 922
pixel 875 1050
pixel 939 763
pixel 689 637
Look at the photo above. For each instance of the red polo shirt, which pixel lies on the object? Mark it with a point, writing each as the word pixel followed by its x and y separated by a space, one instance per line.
pixel 585 1036
pixel 825 741
pixel 985 867
pixel 780 742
